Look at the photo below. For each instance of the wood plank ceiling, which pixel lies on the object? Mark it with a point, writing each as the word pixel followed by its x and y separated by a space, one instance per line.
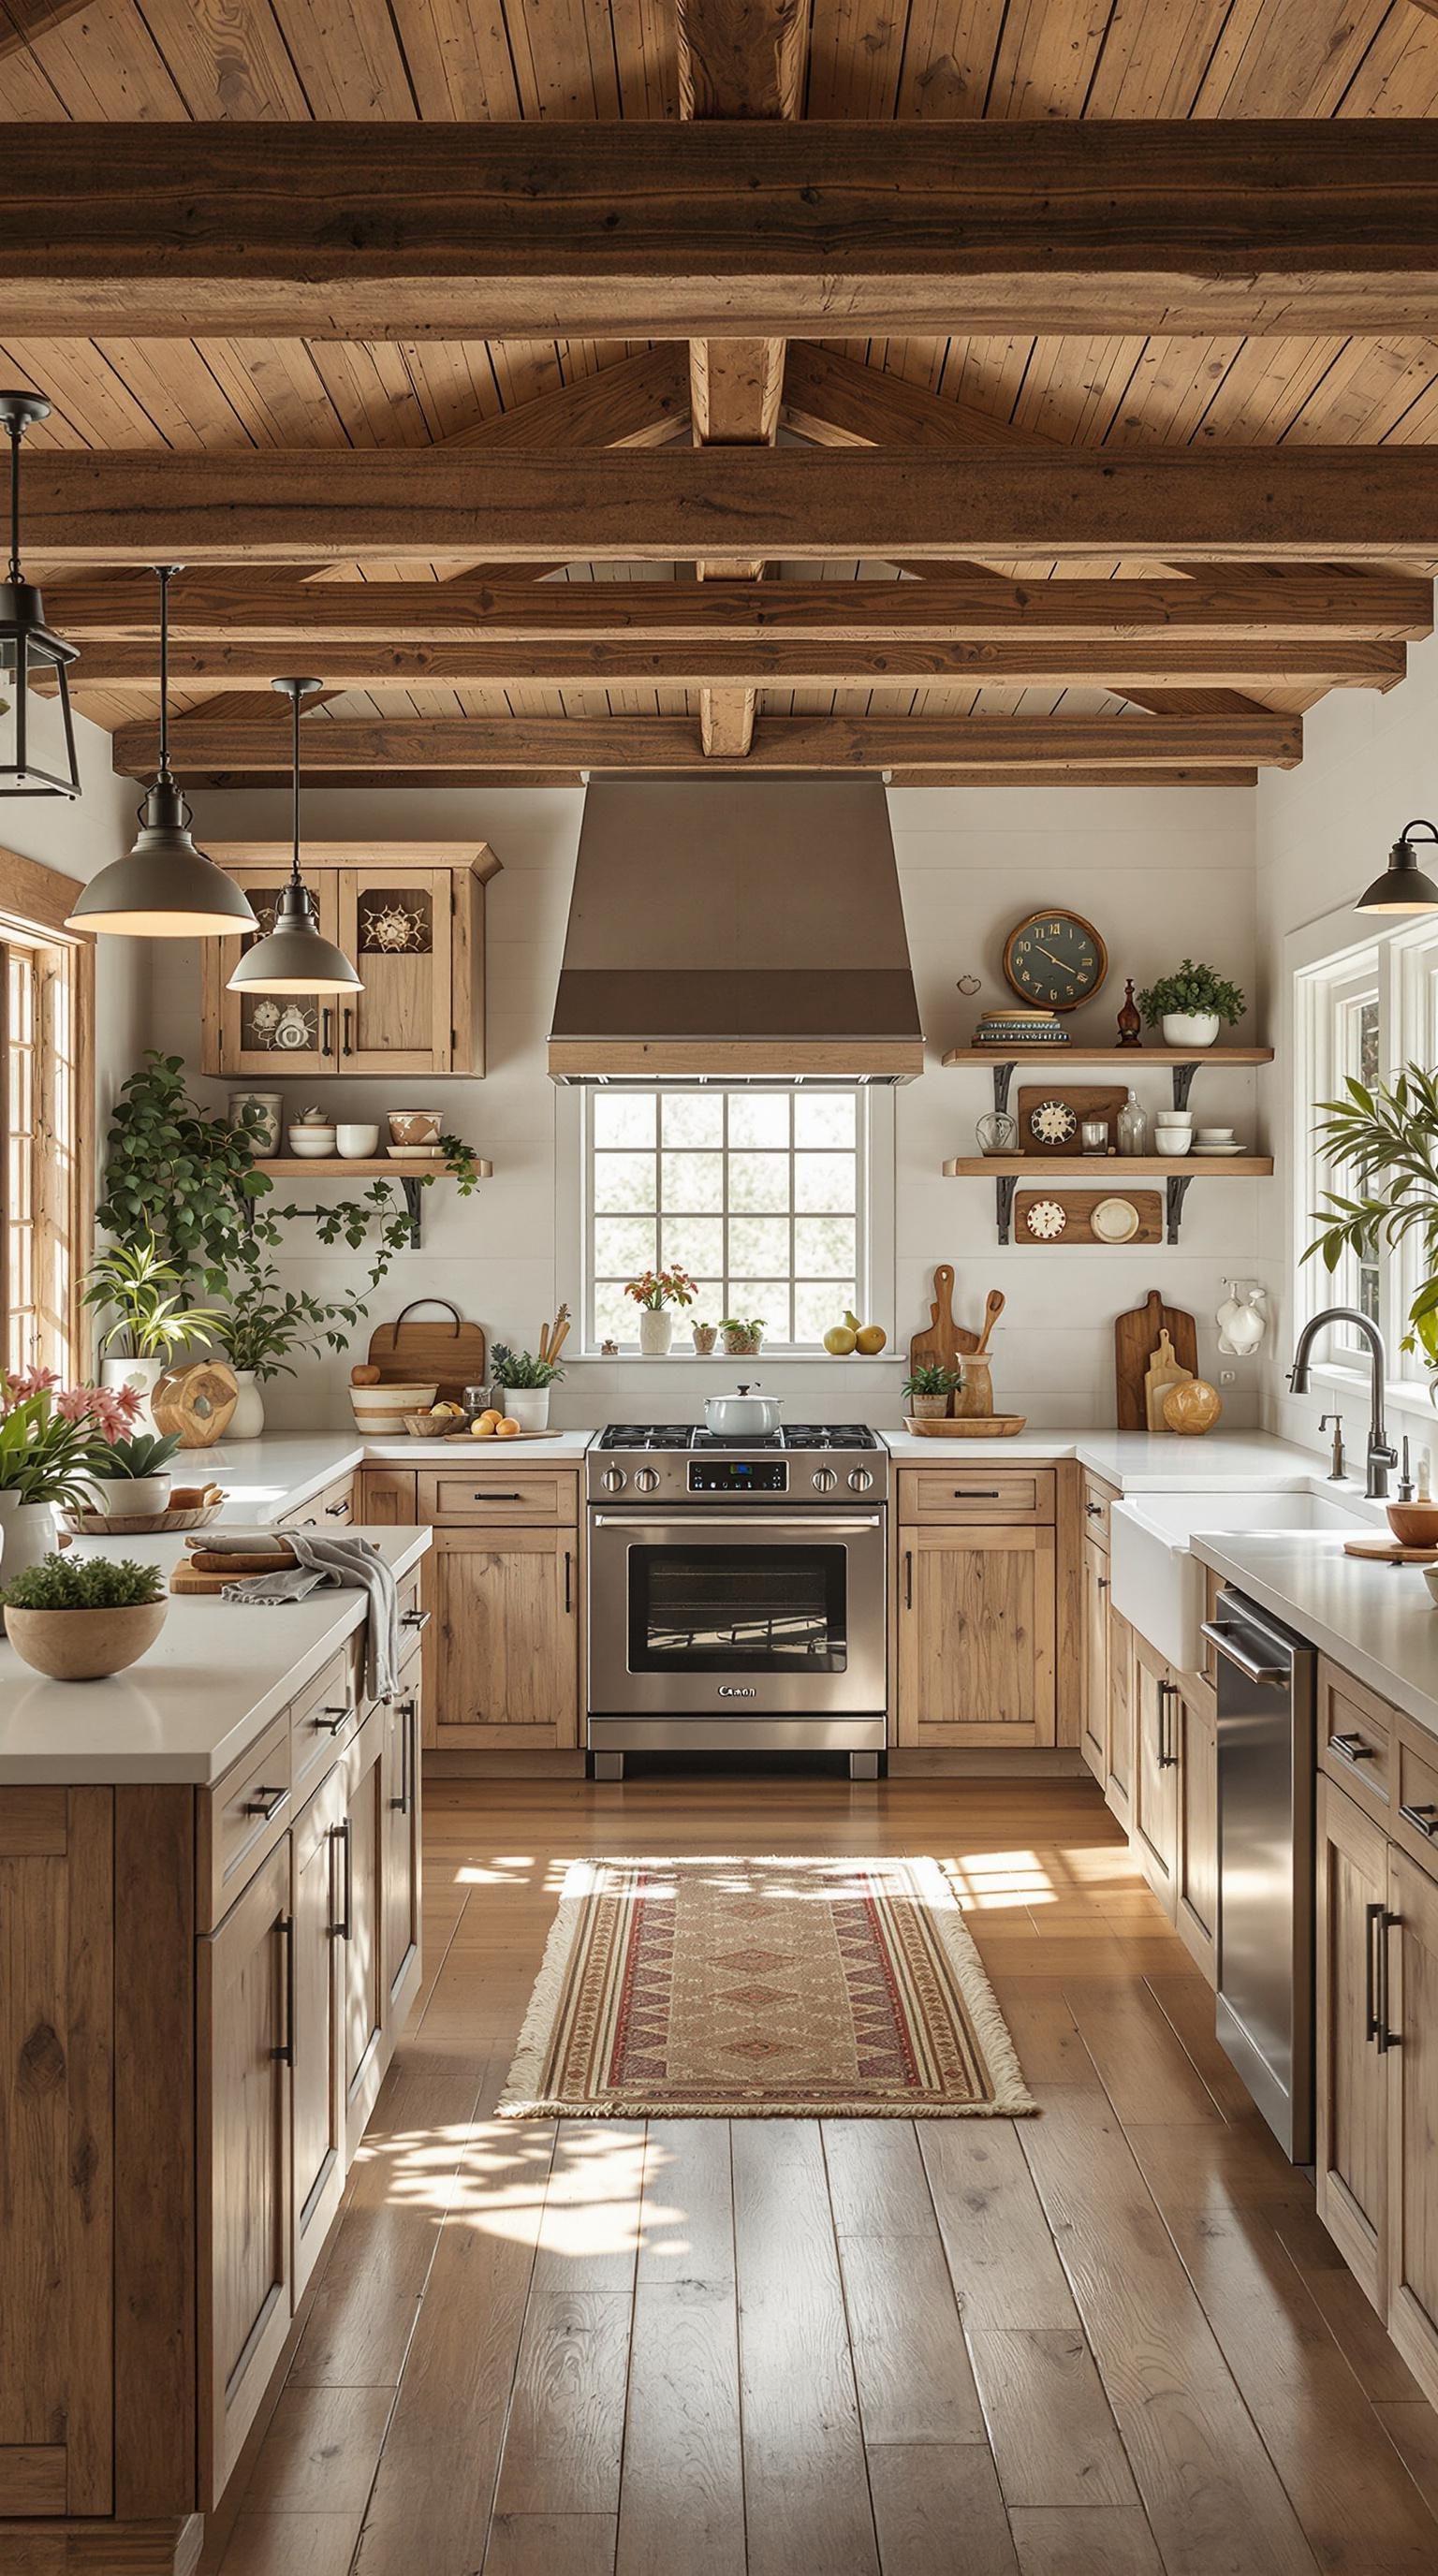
pixel 583 61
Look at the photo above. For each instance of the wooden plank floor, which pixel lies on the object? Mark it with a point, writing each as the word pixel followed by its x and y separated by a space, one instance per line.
pixel 1112 2341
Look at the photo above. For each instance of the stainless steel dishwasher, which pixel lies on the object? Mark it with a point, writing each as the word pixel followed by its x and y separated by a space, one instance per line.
pixel 1265 1863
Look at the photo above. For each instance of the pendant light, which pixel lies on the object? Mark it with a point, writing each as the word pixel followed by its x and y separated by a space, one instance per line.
pixel 166 888
pixel 1403 886
pixel 27 646
pixel 295 957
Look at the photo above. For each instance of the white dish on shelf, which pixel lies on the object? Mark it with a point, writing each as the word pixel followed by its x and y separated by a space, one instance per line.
pixel 416 1153
pixel 1220 1149
pixel 1114 1221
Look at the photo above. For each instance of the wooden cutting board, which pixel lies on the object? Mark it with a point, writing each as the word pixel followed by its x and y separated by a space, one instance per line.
pixel 1386 1551
pixel 1135 1339
pixel 943 1343
pixel 443 1350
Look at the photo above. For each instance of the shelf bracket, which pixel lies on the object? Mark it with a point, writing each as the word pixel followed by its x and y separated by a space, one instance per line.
pixel 1003 1076
pixel 1177 1189
pixel 1004 1188
pixel 414 1201
pixel 1183 1084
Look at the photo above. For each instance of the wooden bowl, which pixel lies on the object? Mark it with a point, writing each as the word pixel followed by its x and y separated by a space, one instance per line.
pixel 85 1645
pixel 1414 1524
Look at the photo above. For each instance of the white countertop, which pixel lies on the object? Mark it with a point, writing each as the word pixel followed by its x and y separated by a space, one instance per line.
pixel 266 1477
pixel 215 1675
pixel 1139 1461
pixel 1376 1620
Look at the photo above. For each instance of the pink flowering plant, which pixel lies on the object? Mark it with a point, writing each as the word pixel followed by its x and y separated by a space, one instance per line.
pixel 55 1440
pixel 657 1289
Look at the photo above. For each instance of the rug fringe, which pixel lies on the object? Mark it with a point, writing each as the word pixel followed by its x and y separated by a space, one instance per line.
pixel 534 2037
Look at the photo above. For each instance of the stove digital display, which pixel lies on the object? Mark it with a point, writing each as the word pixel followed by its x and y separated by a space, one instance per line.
pixel 738 1476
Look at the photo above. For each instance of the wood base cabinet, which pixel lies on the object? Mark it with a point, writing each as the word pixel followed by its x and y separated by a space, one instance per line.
pixel 1097 1686
pixel 976 1634
pixel 1173 1796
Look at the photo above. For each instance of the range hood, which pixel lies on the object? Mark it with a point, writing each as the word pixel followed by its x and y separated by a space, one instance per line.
pixel 736 927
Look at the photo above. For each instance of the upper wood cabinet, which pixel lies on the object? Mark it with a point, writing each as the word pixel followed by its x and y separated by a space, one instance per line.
pixel 411 916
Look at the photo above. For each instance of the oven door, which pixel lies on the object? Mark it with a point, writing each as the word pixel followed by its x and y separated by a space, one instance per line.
pixel 740 1614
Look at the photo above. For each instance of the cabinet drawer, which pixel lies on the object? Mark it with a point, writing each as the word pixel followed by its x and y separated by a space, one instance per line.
pixel 241 1819
pixel 324 1717
pixel 1414 1823
pixel 1098 1499
pixel 1355 1739
pixel 976 1493
pixel 330 1509
pixel 527 1496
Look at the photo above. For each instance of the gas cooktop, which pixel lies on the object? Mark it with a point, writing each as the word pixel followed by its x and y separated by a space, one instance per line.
pixel 692 1435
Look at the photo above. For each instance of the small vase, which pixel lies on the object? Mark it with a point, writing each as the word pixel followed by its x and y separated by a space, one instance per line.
pixel 929 1408
pixel 143 1375
pixel 1130 1024
pixel 526 1405
pixel 27 1533
pixel 705 1337
pixel 1190 1028
pixel 656 1331
pixel 248 1419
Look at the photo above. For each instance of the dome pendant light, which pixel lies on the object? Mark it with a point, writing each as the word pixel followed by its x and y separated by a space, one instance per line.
pixel 295 957
pixel 1403 886
pixel 166 888
pixel 27 647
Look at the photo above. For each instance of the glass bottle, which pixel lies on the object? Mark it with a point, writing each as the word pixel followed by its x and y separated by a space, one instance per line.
pixel 1132 1123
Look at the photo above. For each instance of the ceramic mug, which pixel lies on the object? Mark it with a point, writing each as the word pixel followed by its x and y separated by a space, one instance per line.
pixel 356 1144
pixel 414 1127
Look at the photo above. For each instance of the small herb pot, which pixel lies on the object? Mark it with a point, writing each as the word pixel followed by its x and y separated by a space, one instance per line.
pixel 526 1405
pixel 741 1346
pixel 929 1408
pixel 705 1337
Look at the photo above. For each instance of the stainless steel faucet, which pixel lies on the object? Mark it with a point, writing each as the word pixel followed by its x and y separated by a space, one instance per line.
pixel 1381 1453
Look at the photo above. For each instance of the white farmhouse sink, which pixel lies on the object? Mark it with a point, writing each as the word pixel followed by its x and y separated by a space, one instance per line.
pixel 1159 1587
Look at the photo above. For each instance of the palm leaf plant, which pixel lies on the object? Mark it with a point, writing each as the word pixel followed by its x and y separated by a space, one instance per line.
pixel 1384 1137
pixel 143 1295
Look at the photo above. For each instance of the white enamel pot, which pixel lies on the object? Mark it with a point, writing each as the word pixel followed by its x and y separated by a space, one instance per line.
pixel 742 1415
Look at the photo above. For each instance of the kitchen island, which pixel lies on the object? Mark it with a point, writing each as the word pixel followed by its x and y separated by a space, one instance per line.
pixel 210 1937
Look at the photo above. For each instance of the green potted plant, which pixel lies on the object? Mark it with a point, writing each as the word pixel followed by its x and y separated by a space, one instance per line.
pixel 79 1619
pixel 742 1335
pixel 654 1292
pixel 143 1296
pixel 264 1324
pixel 1385 1137
pixel 52 1439
pixel 705 1337
pixel 1191 1006
pixel 130 1476
pixel 526 1382
pixel 929 1389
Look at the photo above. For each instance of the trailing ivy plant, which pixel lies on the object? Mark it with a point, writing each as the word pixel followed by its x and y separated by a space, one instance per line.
pixel 1385 1137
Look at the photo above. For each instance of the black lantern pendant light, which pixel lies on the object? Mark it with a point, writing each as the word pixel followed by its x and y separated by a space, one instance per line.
pixel 1403 886
pixel 28 650
pixel 166 888
pixel 295 957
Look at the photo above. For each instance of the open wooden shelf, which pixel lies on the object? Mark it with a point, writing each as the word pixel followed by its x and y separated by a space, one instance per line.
pixel 1115 1167
pixel 341 1167
pixel 1113 1059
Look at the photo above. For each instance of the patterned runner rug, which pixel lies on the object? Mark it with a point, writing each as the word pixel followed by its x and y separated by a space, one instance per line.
pixel 752 1989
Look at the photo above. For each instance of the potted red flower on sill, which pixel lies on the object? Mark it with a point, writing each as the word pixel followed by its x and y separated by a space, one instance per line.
pixel 654 1292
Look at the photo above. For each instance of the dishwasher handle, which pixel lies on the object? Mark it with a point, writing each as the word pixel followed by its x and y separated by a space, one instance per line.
pixel 1223 1638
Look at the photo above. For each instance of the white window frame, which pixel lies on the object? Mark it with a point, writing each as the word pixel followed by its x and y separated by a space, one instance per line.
pixel 874 1214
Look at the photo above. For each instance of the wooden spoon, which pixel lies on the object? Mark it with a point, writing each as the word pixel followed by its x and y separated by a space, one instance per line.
pixel 993 1308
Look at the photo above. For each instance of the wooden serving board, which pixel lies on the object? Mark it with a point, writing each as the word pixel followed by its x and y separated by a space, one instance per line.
pixel 944 1343
pixel 1086 1100
pixel 1387 1551
pixel 1078 1206
pixel 1135 1339
pixel 978 1426
pixel 443 1351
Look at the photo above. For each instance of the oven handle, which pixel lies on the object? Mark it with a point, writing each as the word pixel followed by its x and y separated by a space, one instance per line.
pixel 693 1525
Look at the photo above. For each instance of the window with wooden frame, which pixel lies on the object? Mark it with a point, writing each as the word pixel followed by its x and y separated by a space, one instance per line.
pixel 46 1120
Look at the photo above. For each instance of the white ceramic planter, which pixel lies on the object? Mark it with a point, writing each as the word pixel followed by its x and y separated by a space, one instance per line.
pixel 656 1331
pixel 248 1419
pixel 143 1375
pixel 526 1405
pixel 132 1498
pixel 27 1533
pixel 1190 1028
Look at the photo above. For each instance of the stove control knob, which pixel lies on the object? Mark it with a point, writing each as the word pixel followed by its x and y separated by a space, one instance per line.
pixel 647 1481
pixel 824 1480
pixel 860 1479
pixel 613 1480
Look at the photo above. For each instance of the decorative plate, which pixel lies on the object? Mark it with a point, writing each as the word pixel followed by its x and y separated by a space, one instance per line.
pixel 1046 1220
pixel 1114 1221
pixel 1053 1122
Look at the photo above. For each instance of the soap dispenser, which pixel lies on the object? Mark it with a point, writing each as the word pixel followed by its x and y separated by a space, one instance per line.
pixel 1132 1125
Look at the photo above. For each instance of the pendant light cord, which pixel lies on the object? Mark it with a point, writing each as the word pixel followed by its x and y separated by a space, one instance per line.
pixel 16 434
pixel 295 877
pixel 162 576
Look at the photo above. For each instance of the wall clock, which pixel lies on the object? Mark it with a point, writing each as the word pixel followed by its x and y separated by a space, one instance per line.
pixel 1055 958
pixel 1046 1220
pixel 1052 1122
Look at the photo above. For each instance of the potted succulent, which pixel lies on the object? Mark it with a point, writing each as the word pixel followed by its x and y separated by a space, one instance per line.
pixel 78 1620
pixel 52 1442
pixel 143 1294
pixel 131 1479
pixel 742 1335
pixel 526 1382
pixel 1191 1006
pixel 705 1337
pixel 654 1292
pixel 929 1388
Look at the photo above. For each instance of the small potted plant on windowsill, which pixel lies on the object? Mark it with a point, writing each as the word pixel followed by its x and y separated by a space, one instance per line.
pixel 742 1335
pixel 83 1619
pixel 654 1292
pixel 130 1477
pixel 1191 1006
pixel 526 1382
pixel 929 1389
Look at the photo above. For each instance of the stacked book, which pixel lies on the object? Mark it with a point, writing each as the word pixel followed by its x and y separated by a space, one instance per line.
pixel 1019 1027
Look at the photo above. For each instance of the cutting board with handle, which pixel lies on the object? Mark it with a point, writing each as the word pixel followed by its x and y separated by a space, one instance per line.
pixel 1135 1339
pixel 944 1343
pixel 451 1353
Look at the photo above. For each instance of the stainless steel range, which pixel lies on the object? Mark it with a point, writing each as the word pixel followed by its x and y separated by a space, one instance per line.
pixel 737 1592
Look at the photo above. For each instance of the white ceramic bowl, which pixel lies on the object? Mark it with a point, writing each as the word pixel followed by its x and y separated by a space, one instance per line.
pixel 1174 1140
pixel 1174 1118
pixel 311 1144
pixel 1215 1135
pixel 357 1143
pixel 1430 1577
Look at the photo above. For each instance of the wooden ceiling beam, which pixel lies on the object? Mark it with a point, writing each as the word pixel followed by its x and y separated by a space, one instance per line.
pixel 1031 774
pixel 21 20
pixel 1351 504
pixel 718 229
pixel 1239 606
pixel 760 662
pixel 830 743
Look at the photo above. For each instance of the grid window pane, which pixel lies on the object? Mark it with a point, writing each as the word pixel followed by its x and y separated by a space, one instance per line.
pixel 758 1194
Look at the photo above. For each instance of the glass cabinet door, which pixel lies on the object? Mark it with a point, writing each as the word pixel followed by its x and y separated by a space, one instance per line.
pixel 276 1034
pixel 396 925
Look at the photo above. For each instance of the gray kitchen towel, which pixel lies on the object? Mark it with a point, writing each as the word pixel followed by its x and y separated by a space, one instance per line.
pixel 321 1560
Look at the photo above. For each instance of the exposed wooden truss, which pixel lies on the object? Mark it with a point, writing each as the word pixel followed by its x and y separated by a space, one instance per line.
pixel 1341 503
pixel 703 230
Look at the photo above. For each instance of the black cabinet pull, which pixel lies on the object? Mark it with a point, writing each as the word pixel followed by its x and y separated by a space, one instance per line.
pixel 1424 1821
pixel 404 1711
pixel 568 1580
pixel 976 1494
pixel 1094 1511
pixel 344 1834
pixel 336 1511
pixel 348 1024
pixel 332 1719
pixel 415 1618
pixel 1104 1583
pixel 327 1030
pixel 411 1751
pixel 1384 2037
pixel 285 2053
pixel 1167 1694
pixel 266 1803
pixel 497 1498
pixel 1353 1748
pixel 908 1578
pixel 1372 1917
